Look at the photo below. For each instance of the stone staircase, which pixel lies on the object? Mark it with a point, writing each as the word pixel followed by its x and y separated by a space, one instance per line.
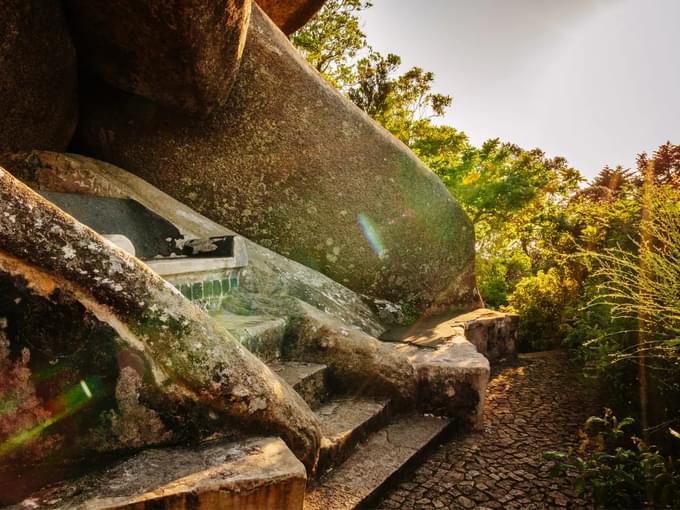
pixel 368 442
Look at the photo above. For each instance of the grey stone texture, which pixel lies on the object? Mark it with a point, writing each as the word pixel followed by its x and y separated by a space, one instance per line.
pixel 181 54
pixel 345 422
pixel 494 334
pixel 374 463
pixel 310 380
pixel 294 166
pixel 261 335
pixel 355 360
pixel 37 76
pixel 452 379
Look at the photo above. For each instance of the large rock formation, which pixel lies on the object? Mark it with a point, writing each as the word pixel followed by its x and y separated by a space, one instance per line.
pixel 269 276
pixel 169 369
pixel 38 103
pixel 290 15
pixel 183 54
pixel 296 167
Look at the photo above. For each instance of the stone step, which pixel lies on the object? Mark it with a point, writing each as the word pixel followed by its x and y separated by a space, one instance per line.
pixel 377 463
pixel 260 334
pixel 251 474
pixel 494 334
pixel 310 380
pixel 344 423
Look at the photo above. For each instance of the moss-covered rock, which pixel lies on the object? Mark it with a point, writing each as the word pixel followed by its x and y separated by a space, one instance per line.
pixel 296 167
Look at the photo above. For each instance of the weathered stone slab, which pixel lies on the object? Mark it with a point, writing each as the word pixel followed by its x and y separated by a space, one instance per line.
pixel 248 475
pixel 291 164
pixel 183 54
pixel 375 463
pixel 357 363
pixel 37 76
pixel 345 422
pixel 494 334
pixel 452 379
pixel 289 15
pixel 261 335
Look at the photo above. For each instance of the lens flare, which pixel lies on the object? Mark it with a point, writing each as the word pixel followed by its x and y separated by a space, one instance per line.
pixel 75 399
pixel 86 388
pixel 370 231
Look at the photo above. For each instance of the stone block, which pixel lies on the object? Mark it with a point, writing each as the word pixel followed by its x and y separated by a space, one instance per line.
pixel 249 475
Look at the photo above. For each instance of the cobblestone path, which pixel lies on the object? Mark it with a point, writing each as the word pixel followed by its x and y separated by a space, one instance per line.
pixel 534 404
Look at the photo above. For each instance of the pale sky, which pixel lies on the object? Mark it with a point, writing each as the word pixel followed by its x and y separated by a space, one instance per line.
pixel 596 81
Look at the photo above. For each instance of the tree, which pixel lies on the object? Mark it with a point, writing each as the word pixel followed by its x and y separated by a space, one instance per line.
pixel 332 39
pixel 333 43
pixel 665 164
pixel 398 102
pixel 609 182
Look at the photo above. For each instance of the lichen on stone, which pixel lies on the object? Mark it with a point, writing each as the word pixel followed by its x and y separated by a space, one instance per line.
pixel 132 424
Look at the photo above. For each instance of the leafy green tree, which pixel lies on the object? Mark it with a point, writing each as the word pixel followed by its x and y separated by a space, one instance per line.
pixel 332 39
pixel 665 164
pixel 335 45
pixel 401 103
pixel 609 182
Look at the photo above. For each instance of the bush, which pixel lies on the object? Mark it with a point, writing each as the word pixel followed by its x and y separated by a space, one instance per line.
pixel 498 276
pixel 617 470
pixel 630 329
pixel 543 302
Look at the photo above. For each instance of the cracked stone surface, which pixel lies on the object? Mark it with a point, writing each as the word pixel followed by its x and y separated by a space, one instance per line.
pixel 534 404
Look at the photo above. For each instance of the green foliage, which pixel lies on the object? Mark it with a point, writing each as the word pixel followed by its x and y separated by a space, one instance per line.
pixel 665 165
pixel 333 43
pixel 542 301
pixel 638 288
pixel 617 470
pixel 332 39
pixel 499 180
pixel 643 284
pixel 498 275
pixel 401 103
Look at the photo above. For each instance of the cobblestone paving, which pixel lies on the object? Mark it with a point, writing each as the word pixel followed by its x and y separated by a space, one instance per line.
pixel 534 404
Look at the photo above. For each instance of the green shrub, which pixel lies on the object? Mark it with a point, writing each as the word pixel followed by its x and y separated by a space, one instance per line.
pixel 543 302
pixel 629 329
pixel 618 470
pixel 499 275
